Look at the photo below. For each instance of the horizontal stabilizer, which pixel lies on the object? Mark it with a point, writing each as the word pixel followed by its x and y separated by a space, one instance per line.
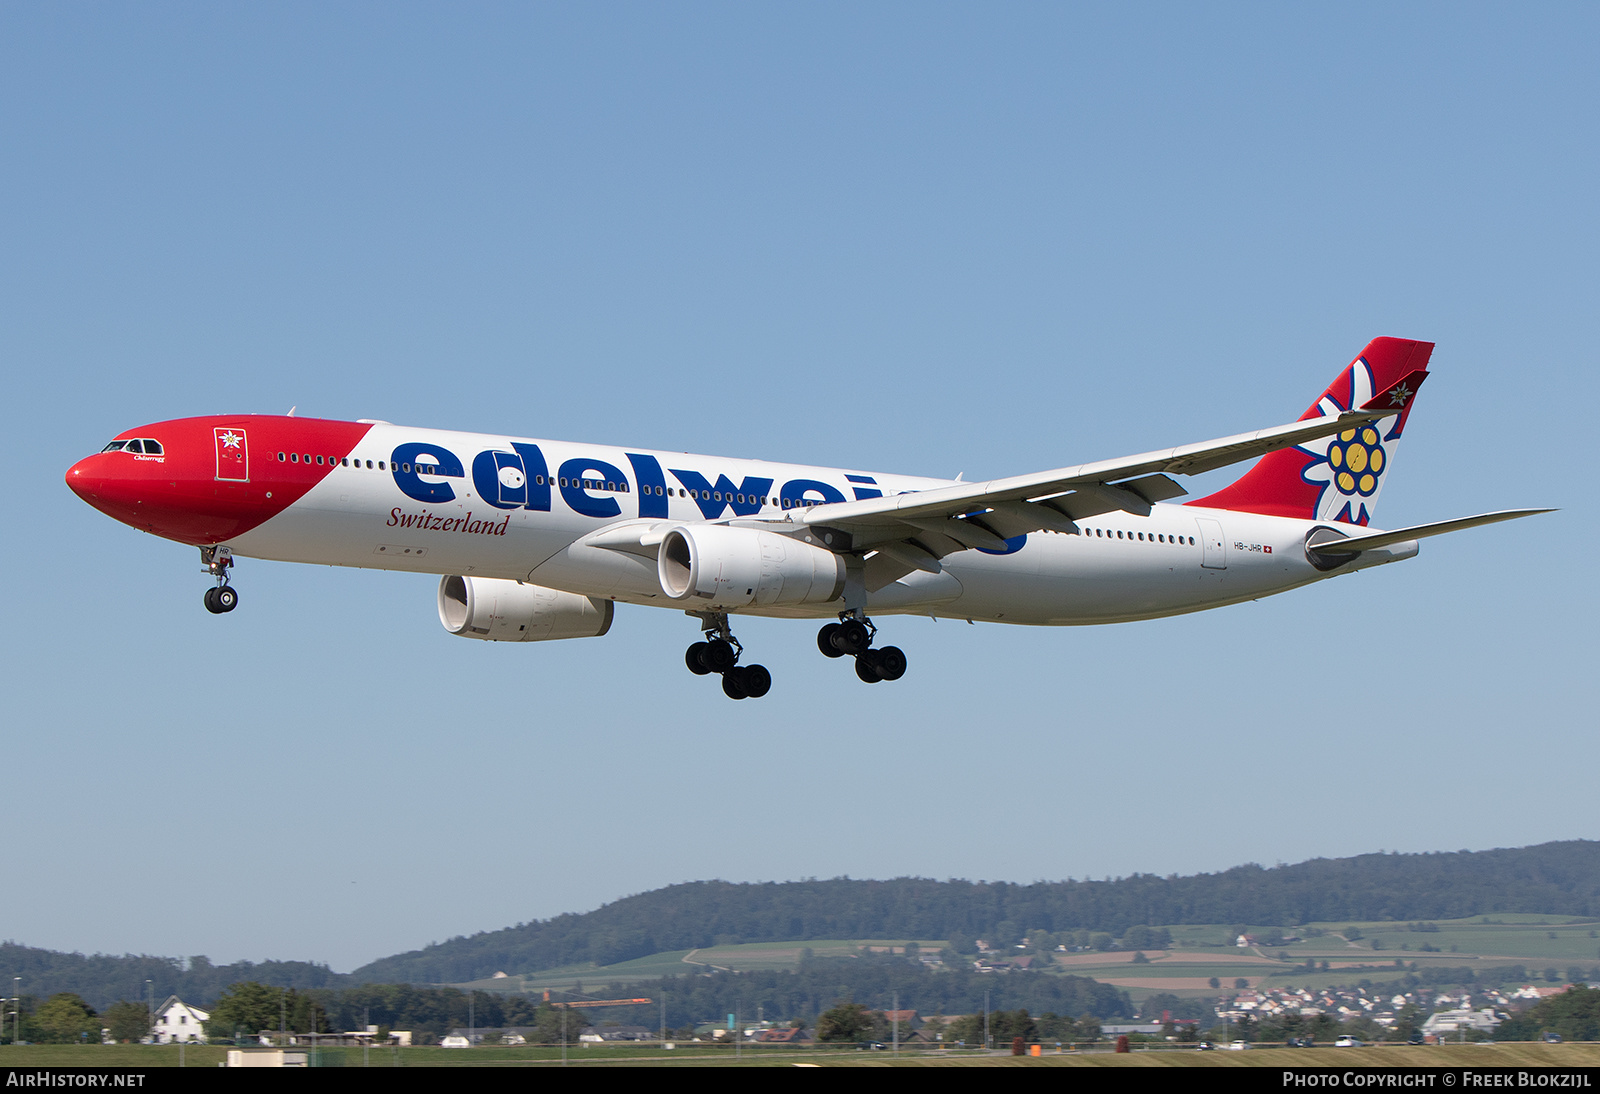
pixel 1357 544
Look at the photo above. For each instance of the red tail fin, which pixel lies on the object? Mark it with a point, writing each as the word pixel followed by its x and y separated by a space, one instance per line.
pixel 1338 478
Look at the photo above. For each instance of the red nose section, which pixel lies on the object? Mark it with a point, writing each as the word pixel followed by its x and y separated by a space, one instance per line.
pixel 208 480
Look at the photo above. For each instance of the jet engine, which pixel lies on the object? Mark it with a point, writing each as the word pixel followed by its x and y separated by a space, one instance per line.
pixel 717 567
pixel 497 610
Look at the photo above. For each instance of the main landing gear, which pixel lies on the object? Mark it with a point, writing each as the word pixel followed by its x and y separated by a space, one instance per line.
pixel 224 597
pixel 852 636
pixel 719 653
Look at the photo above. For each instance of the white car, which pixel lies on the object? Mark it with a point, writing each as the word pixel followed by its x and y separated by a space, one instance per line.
pixel 1347 1042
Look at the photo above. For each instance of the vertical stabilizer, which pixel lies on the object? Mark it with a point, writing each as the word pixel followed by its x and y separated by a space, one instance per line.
pixel 1339 477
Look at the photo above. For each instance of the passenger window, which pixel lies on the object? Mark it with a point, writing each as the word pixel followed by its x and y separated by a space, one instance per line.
pixel 294 457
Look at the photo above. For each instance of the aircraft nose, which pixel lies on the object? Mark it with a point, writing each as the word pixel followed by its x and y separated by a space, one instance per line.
pixel 101 483
pixel 85 477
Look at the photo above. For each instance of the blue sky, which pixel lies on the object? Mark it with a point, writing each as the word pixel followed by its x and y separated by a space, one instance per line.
pixel 908 237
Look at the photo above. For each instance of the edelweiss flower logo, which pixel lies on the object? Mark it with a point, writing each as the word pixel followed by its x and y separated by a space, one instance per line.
pixel 1356 456
pixel 231 439
pixel 1348 467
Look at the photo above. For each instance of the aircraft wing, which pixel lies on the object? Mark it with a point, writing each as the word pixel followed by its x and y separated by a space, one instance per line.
pixel 1357 544
pixel 914 530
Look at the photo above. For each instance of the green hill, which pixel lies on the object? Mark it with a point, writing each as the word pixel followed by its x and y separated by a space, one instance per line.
pixel 1553 879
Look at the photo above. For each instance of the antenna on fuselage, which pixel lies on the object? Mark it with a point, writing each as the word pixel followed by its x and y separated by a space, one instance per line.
pixel 292 410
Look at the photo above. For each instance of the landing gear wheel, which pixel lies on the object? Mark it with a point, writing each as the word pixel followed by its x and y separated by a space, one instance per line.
pixel 867 667
pixel 891 663
pixel 851 637
pixel 825 640
pixel 694 658
pixel 211 602
pixel 226 598
pixel 757 681
pixel 733 684
pixel 719 655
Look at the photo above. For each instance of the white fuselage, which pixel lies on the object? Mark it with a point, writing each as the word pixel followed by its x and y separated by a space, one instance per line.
pixel 1119 566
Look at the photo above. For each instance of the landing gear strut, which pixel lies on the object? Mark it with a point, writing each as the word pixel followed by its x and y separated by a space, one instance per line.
pixel 852 636
pixel 719 653
pixel 224 597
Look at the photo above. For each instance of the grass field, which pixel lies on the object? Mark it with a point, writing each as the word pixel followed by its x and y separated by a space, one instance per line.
pixel 744 958
pixel 159 1056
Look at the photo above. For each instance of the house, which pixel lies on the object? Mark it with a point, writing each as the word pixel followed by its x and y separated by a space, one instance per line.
pixel 1452 1021
pixel 177 1021
pixel 794 1036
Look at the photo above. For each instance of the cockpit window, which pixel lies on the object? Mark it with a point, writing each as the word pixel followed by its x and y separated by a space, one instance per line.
pixel 139 444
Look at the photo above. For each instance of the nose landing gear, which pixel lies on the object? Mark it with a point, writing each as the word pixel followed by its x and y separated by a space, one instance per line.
pixel 224 597
pixel 719 654
pixel 852 636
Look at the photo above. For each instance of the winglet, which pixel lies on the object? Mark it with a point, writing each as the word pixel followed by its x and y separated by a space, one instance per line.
pixel 1398 396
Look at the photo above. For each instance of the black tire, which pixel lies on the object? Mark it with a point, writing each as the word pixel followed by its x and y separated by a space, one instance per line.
pixel 694 658
pixel 211 601
pixel 867 667
pixel 719 656
pixel 891 662
pixel 733 684
pixel 852 636
pixel 227 598
pixel 757 681
pixel 825 640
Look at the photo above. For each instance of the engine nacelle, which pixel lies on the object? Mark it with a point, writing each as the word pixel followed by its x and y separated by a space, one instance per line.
pixel 497 610
pixel 719 567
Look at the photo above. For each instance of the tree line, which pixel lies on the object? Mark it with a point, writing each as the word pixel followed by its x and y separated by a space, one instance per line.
pixel 800 995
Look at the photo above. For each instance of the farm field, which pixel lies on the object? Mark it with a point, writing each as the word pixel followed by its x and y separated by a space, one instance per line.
pixel 743 958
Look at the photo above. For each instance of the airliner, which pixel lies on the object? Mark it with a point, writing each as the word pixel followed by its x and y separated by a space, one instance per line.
pixel 537 540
